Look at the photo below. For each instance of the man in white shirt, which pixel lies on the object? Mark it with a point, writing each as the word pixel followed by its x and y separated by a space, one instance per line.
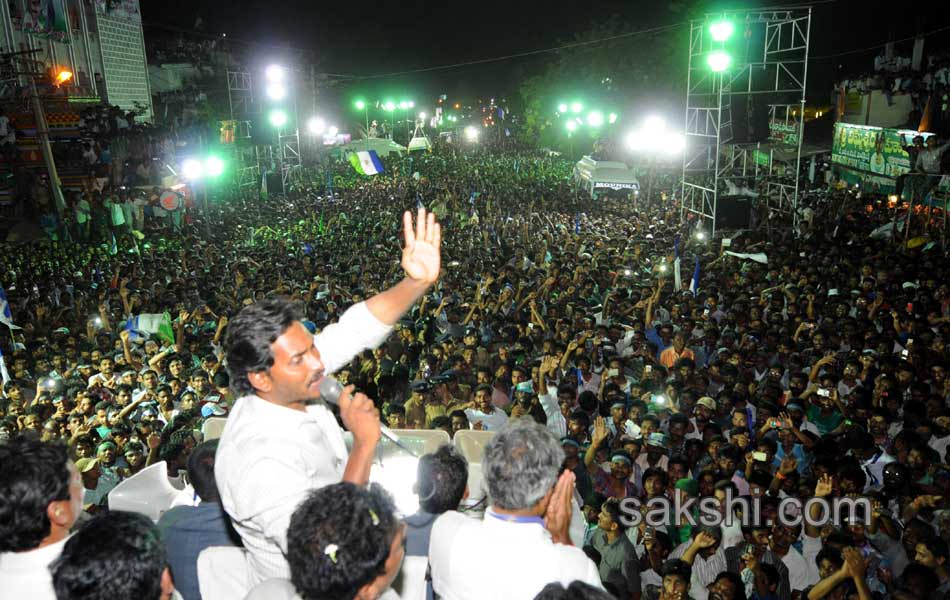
pixel 484 415
pixel 40 500
pixel 279 444
pixel 522 543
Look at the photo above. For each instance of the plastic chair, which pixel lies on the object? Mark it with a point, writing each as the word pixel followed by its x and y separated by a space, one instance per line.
pixel 223 573
pixel 213 427
pixel 420 441
pixel 410 583
pixel 471 443
pixel 147 492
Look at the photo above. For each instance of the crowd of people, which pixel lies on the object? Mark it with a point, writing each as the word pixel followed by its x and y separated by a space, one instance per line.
pixel 780 365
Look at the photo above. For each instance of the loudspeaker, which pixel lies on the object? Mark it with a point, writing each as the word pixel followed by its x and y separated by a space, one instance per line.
pixel 733 212
pixel 750 118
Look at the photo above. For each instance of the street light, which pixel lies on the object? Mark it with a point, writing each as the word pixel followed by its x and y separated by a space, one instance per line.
pixel 62 76
pixel 316 125
pixel 718 61
pixel 360 105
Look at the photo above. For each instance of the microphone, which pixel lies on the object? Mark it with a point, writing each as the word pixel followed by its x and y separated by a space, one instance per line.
pixel 330 390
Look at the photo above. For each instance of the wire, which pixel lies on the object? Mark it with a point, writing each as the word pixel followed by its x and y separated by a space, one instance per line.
pixel 511 56
pixel 869 48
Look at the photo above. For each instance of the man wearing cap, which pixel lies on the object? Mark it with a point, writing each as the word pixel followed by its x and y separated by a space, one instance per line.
pixel 657 453
pixel 703 413
pixel 94 493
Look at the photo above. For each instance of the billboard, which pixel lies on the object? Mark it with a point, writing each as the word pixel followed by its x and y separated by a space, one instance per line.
pixel 874 150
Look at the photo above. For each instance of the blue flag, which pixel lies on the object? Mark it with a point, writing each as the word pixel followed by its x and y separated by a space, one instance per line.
pixel 694 284
pixel 6 315
pixel 307 248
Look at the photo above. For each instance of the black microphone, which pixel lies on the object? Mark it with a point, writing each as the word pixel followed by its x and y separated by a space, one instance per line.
pixel 330 390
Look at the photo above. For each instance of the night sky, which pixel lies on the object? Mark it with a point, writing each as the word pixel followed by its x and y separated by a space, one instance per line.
pixel 366 38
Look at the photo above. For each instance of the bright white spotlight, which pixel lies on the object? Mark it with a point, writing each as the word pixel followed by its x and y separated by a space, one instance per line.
pixel 275 73
pixel 675 143
pixel 654 124
pixel 332 131
pixel 471 133
pixel 595 118
pixel 636 141
pixel 316 125
pixel 700 235
pixel 422 115
pixel 276 91
pixel 192 169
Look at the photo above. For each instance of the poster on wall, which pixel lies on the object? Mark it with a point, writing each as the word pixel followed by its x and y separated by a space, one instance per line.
pixel 871 149
pixel 44 17
pixel 127 10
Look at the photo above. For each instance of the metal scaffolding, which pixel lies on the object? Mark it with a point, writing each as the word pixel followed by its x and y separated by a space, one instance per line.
pixel 775 65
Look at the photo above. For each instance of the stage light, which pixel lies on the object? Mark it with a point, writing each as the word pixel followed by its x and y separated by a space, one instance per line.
pixel 718 61
pixel 277 118
pixel 674 143
pixel 191 169
pixel 214 166
pixel 562 108
pixel 422 115
pixel 571 125
pixel 471 133
pixel 332 131
pixel 404 105
pixel 636 141
pixel 576 107
pixel 274 73
pixel 276 91
pixel 721 30
pixel 412 104
pixel 389 106
pixel 360 105
pixel 701 235
pixel 316 125
pixel 595 118
pixel 612 118
pixel 654 124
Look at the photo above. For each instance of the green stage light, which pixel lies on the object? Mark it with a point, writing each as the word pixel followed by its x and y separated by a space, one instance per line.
pixel 571 125
pixel 214 166
pixel 404 105
pixel 718 61
pixel 562 108
pixel 389 106
pixel 278 118
pixel 595 118
pixel 360 105
pixel 721 30
pixel 576 107
pixel 612 118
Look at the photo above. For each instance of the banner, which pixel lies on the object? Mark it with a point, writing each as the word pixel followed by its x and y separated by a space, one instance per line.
pixel 873 156
pixel 120 9
pixel 783 133
pixel 45 17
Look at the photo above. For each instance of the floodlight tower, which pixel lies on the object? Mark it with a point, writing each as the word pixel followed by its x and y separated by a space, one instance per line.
pixel 767 66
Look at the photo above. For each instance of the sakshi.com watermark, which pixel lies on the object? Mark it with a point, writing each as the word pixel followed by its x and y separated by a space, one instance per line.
pixel 746 511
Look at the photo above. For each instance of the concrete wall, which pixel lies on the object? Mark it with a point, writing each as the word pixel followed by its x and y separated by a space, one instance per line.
pixel 881 114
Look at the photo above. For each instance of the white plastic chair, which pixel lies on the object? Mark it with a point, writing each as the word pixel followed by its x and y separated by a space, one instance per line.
pixel 147 492
pixel 213 427
pixel 471 443
pixel 410 584
pixel 223 573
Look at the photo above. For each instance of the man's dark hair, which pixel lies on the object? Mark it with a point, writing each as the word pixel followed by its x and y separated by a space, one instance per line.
pixel 677 567
pixel 577 590
pixel 32 474
pixel 201 471
pixel 442 477
pixel 115 555
pixel 339 539
pixel 250 335
pixel 736 582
